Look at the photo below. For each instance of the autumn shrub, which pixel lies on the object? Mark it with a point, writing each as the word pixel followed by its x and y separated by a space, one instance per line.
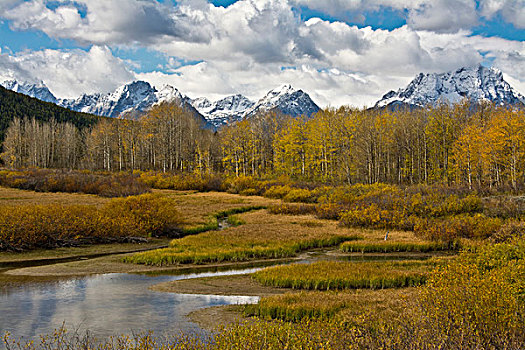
pixel 183 182
pixel 329 211
pixel 509 231
pixel 375 217
pixel 102 184
pixel 452 228
pixel 359 194
pixel 247 184
pixel 156 214
pixel 48 226
pixel 504 206
pixel 478 298
pixel 299 195
pixel 278 191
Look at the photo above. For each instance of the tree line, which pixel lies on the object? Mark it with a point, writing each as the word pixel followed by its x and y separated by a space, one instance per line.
pixel 474 145
pixel 19 106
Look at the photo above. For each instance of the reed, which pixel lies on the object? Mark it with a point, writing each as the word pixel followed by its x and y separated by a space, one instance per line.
pixel 334 275
pixel 298 306
pixel 262 236
pixel 390 247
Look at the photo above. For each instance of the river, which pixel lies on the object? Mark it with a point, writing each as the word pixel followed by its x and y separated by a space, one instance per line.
pixel 106 304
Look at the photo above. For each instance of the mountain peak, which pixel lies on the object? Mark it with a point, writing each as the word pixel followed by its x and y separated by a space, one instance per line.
pixel 37 90
pixel 475 83
pixel 224 111
pixel 283 89
pixel 286 100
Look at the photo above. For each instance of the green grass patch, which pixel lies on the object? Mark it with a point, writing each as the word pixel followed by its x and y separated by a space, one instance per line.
pixel 240 210
pixel 335 275
pixel 211 247
pixel 213 223
pixel 390 247
pixel 298 306
pixel 234 220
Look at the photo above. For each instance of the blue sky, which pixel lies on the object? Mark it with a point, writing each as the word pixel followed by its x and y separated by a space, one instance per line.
pixel 339 51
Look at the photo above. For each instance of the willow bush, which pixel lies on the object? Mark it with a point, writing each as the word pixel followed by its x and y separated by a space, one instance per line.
pixel 48 226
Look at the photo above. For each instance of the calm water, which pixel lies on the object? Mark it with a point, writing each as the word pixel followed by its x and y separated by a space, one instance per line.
pixel 113 304
pixel 106 305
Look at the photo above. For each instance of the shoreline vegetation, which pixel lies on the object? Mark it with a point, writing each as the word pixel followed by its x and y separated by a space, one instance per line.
pixel 469 294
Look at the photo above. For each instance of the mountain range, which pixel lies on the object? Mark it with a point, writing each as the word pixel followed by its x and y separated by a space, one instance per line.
pixel 475 83
pixel 139 96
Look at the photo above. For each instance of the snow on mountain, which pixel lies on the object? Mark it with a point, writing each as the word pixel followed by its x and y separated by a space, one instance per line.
pixel 223 111
pixel 475 83
pixel 169 93
pixel 39 90
pixel 286 100
pixel 139 96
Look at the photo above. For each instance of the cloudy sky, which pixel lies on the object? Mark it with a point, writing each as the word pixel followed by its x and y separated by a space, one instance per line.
pixel 338 51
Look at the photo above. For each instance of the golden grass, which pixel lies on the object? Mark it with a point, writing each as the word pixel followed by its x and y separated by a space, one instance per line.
pixel 12 197
pixel 198 207
pixel 389 247
pixel 346 306
pixel 261 236
pixel 338 275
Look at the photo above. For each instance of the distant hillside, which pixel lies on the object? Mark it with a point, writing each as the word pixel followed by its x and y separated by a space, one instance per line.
pixel 13 104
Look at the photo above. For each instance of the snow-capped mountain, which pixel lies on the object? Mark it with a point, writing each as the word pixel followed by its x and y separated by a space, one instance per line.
pixel 39 90
pixel 223 111
pixel 286 100
pixel 139 96
pixel 475 83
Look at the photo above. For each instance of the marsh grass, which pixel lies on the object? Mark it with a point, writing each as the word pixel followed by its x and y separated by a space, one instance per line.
pixel 390 247
pixel 346 306
pixel 234 220
pixel 293 209
pixel 14 197
pixel 213 222
pixel 201 208
pixel 335 275
pixel 262 236
pixel 299 306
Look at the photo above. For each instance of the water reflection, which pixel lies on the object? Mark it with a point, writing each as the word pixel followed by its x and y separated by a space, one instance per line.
pixel 106 305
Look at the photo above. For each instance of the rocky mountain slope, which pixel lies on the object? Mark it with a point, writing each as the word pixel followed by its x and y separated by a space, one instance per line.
pixel 287 100
pixel 138 96
pixel 38 90
pixel 475 83
pixel 223 111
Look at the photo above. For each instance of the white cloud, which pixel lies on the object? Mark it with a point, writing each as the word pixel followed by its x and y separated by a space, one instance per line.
pixel 68 73
pixel 444 16
pixel 511 10
pixel 110 22
pixel 244 47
